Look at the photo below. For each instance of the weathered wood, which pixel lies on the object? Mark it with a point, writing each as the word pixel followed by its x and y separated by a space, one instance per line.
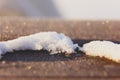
pixel 39 64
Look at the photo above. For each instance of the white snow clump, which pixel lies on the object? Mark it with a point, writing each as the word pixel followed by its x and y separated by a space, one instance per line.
pixel 105 49
pixel 51 41
pixel 59 43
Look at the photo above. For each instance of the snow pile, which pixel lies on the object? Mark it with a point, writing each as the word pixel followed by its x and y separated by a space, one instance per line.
pixel 51 41
pixel 59 43
pixel 106 49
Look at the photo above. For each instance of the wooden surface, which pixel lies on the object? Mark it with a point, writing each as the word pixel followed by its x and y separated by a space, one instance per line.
pixel 33 65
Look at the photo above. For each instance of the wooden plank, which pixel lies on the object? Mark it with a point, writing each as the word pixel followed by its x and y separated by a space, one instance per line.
pixel 39 64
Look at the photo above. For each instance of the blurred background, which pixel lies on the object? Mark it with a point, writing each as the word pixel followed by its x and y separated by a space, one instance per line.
pixel 62 9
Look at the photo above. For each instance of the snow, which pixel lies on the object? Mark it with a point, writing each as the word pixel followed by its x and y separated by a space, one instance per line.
pixel 51 41
pixel 59 43
pixel 105 49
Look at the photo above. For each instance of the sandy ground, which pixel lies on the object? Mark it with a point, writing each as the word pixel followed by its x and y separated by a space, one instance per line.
pixel 39 64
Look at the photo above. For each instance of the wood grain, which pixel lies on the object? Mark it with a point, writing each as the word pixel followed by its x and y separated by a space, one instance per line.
pixel 32 65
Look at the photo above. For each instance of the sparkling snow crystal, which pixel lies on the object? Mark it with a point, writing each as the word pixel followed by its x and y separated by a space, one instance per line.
pixel 106 49
pixel 51 41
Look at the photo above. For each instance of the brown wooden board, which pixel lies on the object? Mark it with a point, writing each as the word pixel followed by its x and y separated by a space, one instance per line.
pixel 33 65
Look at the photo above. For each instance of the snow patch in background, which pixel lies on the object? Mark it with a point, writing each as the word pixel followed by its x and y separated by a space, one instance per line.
pixel 51 41
pixel 105 49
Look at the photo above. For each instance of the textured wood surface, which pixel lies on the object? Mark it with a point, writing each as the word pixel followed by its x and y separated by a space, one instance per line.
pixel 32 65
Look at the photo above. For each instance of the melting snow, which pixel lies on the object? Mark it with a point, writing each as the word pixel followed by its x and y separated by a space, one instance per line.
pixel 59 43
pixel 105 49
pixel 51 41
